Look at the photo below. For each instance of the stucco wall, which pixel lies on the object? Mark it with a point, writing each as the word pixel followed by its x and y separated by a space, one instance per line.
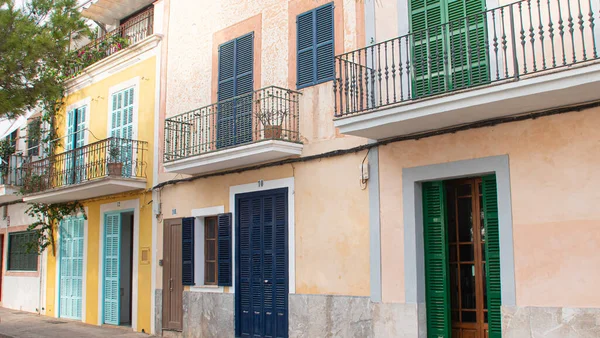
pixel 21 293
pixel 553 173
pixel 331 219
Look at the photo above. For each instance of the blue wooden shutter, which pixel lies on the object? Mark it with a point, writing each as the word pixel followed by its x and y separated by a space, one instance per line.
pixel 315 43
pixel 112 262
pixel 224 249
pixel 244 86
pixel 492 254
pixel 305 56
pixel 324 56
pixel 187 251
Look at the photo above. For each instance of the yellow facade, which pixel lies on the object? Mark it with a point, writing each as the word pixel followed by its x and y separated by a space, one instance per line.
pixel 98 93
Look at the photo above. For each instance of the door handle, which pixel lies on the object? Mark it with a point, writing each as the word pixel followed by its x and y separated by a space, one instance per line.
pixel 171 284
pixel 266 281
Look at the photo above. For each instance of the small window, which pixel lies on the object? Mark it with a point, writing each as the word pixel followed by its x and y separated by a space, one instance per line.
pixel 34 135
pixel 210 251
pixel 19 259
pixel 315 57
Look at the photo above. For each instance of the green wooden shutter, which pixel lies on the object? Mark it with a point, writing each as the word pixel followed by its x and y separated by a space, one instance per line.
pixel 492 254
pixel 315 46
pixel 224 249
pixel 468 56
pixel 324 53
pixel 437 281
pixel 112 263
pixel 426 17
pixel 305 55
pixel 187 251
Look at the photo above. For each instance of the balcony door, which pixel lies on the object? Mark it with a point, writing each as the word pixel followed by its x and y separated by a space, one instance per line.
pixel 121 146
pixel 449 45
pixel 75 169
pixel 236 84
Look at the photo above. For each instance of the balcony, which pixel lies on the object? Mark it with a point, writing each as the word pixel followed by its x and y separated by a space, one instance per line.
pixel 11 178
pixel 248 129
pixel 106 167
pixel 111 11
pixel 129 33
pixel 521 57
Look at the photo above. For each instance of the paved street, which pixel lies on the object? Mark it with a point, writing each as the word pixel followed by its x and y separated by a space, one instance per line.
pixel 15 324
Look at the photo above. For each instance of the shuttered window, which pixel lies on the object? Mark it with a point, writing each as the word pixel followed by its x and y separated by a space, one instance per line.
pixel 19 259
pixel 224 249
pixel 437 282
pixel 492 252
pixel 315 42
pixel 187 251
pixel 448 56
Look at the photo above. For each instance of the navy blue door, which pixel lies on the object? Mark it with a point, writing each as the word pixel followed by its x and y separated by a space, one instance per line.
pixel 261 288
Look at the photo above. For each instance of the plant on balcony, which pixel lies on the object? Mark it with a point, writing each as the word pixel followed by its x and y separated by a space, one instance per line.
pixel 115 166
pixel 48 217
pixel 96 51
pixel 33 183
pixel 272 120
pixel 7 148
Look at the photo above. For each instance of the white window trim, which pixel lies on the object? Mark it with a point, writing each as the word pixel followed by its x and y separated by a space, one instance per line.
pixel 80 104
pixel 84 272
pixel 262 186
pixel 199 215
pixel 132 83
pixel 110 207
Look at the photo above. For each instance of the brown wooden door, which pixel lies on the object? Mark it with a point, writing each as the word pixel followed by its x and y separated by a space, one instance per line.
pixel 172 280
pixel 466 240
pixel 1 263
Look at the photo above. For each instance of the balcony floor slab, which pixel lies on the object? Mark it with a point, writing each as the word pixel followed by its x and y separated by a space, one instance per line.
pixel 109 185
pixel 9 193
pixel 573 85
pixel 242 155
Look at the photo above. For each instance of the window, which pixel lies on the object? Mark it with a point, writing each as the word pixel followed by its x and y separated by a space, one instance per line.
pixel 18 257
pixel 315 58
pixel 210 251
pixel 34 134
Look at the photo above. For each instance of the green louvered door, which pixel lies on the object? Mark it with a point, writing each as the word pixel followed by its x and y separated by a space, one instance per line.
pixel 122 128
pixel 436 260
pixel 492 253
pixel 448 45
pixel 75 140
pixel 112 249
pixel 71 268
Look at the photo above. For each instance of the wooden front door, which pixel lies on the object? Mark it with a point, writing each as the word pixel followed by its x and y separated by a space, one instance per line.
pixel 1 263
pixel 466 249
pixel 172 278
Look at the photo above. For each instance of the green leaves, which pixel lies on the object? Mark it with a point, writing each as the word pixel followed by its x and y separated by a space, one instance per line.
pixel 48 217
pixel 34 44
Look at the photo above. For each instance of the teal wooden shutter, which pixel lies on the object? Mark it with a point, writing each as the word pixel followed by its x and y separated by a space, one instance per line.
pixel 71 268
pixel 187 250
pixel 492 254
pixel 437 281
pixel 315 46
pixel 112 257
pixel 224 249
pixel 122 127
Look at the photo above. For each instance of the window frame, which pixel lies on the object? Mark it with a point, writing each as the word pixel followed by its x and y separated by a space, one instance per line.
pixel 9 253
pixel 216 254
pixel 314 46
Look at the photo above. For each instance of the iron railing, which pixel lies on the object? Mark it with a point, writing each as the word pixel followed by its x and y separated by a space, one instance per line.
pixel 508 42
pixel 114 157
pixel 11 169
pixel 271 113
pixel 129 33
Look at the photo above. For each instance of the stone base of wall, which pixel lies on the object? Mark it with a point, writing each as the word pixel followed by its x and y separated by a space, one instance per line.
pixel 212 315
pixel 158 312
pixel 207 314
pixel 550 322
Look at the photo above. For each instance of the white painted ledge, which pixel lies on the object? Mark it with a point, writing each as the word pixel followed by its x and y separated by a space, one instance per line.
pixel 9 193
pixel 252 153
pixel 95 188
pixel 576 84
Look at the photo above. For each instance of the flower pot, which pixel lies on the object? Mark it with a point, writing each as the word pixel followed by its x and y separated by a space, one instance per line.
pixel 272 132
pixel 115 169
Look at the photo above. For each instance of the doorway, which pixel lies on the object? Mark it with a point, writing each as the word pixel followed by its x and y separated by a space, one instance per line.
pixel 262 285
pixel 118 268
pixel 1 264
pixel 172 277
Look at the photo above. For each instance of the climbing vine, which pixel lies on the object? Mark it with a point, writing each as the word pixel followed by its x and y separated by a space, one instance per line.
pixel 48 217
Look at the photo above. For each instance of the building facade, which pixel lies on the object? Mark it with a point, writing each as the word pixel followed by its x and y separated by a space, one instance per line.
pixel 379 169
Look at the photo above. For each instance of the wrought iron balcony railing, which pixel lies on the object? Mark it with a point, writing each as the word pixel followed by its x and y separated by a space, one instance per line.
pixel 129 33
pixel 11 170
pixel 504 43
pixel 271 113
pixel 112 157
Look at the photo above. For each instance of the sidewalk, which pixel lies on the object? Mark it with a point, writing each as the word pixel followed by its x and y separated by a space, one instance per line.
pixel 16 324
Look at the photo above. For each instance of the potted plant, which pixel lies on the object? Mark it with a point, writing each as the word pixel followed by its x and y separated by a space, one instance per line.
pixel 272 121
pixel 115 166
